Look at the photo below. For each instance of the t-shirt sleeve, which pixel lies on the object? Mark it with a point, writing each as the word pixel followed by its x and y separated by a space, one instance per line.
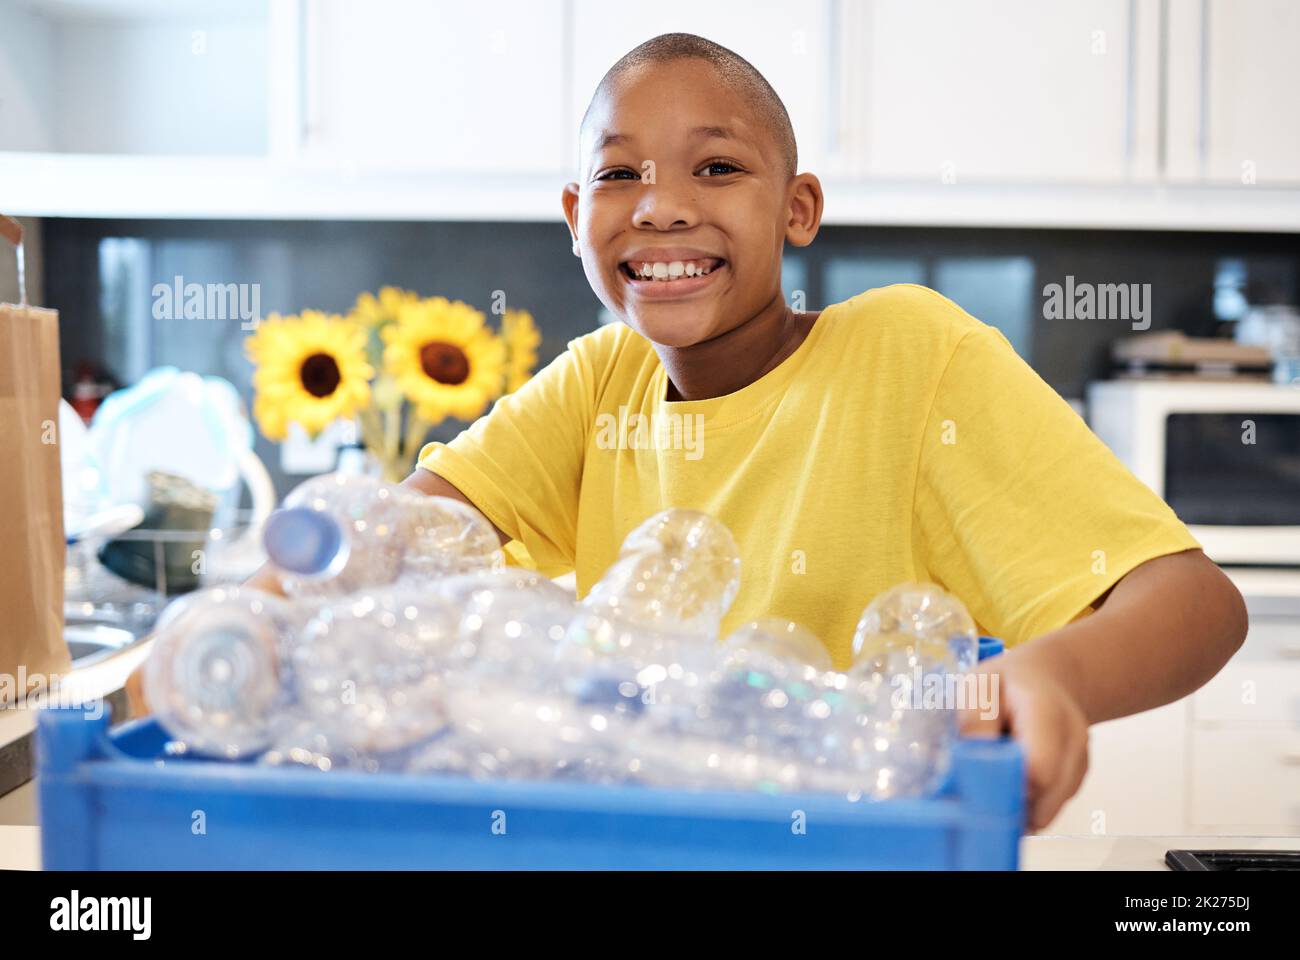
pixel 1020 510
pixel 521 463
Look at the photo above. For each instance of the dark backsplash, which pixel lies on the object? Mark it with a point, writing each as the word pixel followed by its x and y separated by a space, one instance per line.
pixel 100 274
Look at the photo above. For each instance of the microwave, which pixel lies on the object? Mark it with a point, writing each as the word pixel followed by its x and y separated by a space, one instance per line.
pixel 1224 455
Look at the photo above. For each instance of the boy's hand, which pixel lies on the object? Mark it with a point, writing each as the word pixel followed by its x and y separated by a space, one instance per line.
pixel 1029 702
pixel 137 706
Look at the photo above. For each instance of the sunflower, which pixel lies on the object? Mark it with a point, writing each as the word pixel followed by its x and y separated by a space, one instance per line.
pixel 375 311
pixel 522 339
pixel 444 358
pixel 311 370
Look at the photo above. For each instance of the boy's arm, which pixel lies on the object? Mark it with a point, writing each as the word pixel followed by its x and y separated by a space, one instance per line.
pixel 1162 631
pixel 428 482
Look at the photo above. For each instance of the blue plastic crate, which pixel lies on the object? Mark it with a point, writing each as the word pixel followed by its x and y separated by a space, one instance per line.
pixel 109 801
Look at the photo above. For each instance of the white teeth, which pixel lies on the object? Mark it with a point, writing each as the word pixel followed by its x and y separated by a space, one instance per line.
pixel 668 270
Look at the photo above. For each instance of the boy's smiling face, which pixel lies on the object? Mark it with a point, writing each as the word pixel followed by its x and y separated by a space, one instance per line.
pixel 684 204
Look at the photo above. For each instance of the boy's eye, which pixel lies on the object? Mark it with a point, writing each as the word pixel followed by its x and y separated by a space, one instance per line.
pixel 621 173
pixel 719 168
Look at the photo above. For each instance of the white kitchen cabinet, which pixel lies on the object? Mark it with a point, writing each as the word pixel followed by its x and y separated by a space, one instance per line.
pixel 1260 686
pixel 1224 760
pixel 1009 90
pixel 410 85
pixel 1233 113
pixel 787 42
pixel 1246 777
pixel 130 77
pixel 1119 114
pixel 1137 778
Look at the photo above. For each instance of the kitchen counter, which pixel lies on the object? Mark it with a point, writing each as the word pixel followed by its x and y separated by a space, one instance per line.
pixel 20 847
pixel 103 679
pixel 1130 853
pixel 20 850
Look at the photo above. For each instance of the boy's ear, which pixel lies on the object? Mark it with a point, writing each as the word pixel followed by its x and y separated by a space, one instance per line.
pixel 805 209
pixel 569 200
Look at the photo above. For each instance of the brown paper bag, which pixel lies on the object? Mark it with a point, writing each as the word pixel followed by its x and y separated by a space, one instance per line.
pixel 32 552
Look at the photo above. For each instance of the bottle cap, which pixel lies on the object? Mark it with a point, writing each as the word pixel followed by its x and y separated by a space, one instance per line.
pixel 990 647
pixel 304 541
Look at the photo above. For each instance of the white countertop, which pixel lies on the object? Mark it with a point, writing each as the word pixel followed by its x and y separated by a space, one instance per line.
pixel 93 682
pixel 20 848
pixel 1130 853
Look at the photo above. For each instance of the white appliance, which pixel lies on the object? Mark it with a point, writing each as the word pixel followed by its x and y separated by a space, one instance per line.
pixel 1225 455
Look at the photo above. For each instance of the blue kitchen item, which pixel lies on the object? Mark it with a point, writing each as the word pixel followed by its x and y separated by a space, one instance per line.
pixel 114 800
pixel 990 647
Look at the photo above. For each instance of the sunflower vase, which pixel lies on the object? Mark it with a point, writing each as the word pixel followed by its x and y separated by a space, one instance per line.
pixel 397 363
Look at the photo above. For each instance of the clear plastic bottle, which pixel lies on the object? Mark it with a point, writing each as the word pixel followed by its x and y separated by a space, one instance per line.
pixel 921 622
pixel 776 718
pixel 781 639
pixel 215 677
pixel 368 670
pixel 656 612
pixel 679 570
pixel 504 698
pixel 642 642
pixel 338 534
pixel 912 647
pixel 445 538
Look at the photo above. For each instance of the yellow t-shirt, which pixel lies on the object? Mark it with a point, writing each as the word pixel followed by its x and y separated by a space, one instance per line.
pixel 904 440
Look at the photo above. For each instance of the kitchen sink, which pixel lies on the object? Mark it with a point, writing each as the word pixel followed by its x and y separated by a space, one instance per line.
pixel 91 642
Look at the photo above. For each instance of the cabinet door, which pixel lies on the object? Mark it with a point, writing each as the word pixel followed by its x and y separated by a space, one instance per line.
pixel 1009 90
pixel 1234 92
pixel 1260 685
pixel 403 84
pixel 1137 778
pixel 1246 776
pixel 787 42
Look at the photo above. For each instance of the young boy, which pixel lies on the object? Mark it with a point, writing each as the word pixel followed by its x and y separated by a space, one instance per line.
pixel 885 439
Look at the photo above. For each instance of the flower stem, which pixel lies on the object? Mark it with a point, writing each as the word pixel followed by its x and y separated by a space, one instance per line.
pixel 372 431
pixel 416 429
pixel 392 431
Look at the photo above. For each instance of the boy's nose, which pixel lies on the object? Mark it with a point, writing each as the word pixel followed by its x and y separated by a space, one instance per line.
pixel 660 207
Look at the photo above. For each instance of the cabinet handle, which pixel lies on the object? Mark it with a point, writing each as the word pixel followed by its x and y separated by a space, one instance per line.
pixel 1290 651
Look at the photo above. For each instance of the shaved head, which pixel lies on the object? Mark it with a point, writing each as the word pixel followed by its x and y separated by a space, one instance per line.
pixel 734 70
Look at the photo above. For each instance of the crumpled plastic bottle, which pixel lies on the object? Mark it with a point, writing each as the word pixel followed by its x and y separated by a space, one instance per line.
pixel 339 534
pixel 369 669
pixel 215 674
pixel 509 715
pixel 919 641
pixel 679 570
